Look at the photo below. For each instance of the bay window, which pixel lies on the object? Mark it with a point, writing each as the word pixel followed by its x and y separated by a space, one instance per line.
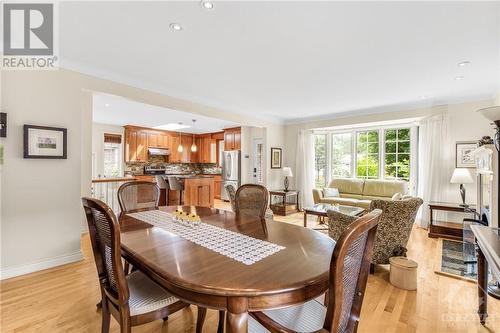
pixel 366 153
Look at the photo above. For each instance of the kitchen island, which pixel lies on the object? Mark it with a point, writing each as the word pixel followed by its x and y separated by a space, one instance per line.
pixel 199 190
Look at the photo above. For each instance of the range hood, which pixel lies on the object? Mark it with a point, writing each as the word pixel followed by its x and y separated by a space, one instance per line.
pixel 159 151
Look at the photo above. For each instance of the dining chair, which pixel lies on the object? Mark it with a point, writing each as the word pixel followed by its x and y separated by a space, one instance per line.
pixel 251 199
pixel 349 268
pixel 132 299
pixel 138 194
pixel 231 192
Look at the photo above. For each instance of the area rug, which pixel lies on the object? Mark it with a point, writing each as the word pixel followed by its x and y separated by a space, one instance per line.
pixel 458 259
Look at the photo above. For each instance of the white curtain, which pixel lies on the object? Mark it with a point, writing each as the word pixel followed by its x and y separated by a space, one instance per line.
pixel 304 166
pixel 433 162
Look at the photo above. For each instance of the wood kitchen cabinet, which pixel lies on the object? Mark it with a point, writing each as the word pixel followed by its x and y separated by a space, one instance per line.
pixel 204 143
pixel 158 140
pixel 217 186
pixel 199 191
pixel 136 145
pixel 175 156
pixel 232 138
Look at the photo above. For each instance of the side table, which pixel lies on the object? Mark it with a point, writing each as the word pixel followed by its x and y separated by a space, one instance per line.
pixel 287 203
pixel 443 229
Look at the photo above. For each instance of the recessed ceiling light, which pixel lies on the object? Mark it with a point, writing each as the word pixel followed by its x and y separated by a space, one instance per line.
pixel 464 63
pixel 459 78
pixel 106 105
pixel 207 4
pixel 175 26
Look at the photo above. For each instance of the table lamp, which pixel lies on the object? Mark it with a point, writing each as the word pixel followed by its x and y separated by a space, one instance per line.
pixel 462 176
pixel 287 172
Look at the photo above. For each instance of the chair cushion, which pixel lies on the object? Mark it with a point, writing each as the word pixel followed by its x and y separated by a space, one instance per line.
pixel 307 317
pixel 348 185
pixel 145 295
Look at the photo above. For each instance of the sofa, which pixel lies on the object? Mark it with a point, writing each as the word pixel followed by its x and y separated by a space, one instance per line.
pixel 361 192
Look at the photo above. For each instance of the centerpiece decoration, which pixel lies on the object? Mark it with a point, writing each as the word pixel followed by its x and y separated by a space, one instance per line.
pixel 187 219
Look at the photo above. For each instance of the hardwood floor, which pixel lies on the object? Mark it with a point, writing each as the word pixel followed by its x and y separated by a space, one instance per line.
pixel 63 299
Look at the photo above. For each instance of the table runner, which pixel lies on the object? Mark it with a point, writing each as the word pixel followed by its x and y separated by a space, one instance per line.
pixel 236 246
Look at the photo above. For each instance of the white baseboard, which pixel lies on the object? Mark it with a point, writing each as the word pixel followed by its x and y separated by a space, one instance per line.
pixel 11 272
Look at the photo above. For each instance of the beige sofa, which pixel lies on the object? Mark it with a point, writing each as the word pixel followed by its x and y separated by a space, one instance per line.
pixel 360 192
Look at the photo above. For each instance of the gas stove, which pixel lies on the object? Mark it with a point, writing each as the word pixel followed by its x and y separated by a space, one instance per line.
pixel 154 170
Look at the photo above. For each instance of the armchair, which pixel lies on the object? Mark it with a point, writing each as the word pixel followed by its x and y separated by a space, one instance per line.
pixel 393 231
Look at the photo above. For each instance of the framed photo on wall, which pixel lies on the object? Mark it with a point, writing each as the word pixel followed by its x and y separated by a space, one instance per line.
pixel 465 154
pixel 45 142
pixel 275 158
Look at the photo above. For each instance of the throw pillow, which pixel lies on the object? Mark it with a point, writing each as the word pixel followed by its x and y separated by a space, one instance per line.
pixel 329 192
pixel 397 197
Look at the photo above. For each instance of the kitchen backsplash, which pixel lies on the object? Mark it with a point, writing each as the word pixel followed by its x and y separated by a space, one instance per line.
pixel 172 168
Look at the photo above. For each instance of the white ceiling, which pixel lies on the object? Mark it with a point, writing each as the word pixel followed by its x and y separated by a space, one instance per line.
pixel 115 110
pixel 290 60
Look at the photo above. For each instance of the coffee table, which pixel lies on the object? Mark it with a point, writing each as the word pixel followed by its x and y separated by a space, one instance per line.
pixel 321 208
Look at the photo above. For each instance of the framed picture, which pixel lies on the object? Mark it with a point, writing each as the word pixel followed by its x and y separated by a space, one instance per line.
pixel 275 158
pixel 45 142
pixel 465 154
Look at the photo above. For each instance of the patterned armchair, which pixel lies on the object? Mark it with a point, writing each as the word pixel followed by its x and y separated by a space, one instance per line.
pixel 393 231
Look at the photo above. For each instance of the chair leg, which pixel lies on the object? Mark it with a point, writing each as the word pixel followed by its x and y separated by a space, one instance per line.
pixel 126 267
pixel 165 318
pixel 202 313
pixel 126 326
pixel 106 316
pixel 372 268
pixel 220 327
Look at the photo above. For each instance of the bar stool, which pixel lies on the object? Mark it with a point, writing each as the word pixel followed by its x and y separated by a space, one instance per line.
pixel 174 184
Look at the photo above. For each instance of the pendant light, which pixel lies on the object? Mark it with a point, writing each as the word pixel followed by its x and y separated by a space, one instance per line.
pixel 180 149
pixel 194 148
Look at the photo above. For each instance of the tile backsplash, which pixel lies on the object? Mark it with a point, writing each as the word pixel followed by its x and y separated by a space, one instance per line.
pixel 137 168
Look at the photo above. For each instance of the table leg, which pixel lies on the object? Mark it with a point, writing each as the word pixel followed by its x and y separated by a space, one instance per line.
pixel 237 315
pixel 305 219
pixel 482 286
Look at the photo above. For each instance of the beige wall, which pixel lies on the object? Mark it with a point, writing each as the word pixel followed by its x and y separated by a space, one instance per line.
pixel 41 212
pixel 465 125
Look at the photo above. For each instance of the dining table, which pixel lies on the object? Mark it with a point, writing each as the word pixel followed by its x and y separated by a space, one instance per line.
pixel 296 272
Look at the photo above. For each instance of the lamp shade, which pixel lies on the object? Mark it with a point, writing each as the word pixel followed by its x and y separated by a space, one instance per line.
pixel 461 176
pixel 287 172
pixel 492 113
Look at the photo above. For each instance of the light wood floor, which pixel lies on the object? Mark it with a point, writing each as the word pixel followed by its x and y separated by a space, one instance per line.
pixel 63 299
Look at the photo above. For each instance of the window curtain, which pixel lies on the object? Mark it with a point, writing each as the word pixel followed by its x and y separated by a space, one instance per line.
pixel 304 166
pixel 433 163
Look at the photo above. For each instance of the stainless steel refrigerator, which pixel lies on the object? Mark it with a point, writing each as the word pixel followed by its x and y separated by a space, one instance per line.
pixel 231 171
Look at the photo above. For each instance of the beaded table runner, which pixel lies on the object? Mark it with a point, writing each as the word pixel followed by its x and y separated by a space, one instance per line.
pixel 239 247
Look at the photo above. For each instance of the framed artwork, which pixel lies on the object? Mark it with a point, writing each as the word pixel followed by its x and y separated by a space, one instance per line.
pixel 45 142
pixel 464 157
pixel 275 158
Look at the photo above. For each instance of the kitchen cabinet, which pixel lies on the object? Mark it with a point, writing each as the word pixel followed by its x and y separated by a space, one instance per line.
pixel 199 191
pixel 175 156
pixel 187 141
pixel 217 186
pixel 136 145
pixel 232 138
pixel 205 149
pixel 158 140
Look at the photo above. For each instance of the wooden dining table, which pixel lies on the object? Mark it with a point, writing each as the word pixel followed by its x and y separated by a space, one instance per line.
pixel 208 279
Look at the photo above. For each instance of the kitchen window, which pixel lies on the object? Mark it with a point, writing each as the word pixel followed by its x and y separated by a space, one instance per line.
pixel 112 155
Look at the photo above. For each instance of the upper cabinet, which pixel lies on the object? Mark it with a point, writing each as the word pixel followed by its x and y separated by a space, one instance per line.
pixel 138 140
pixel 158 140
pixel 136 145
pixel 232 138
